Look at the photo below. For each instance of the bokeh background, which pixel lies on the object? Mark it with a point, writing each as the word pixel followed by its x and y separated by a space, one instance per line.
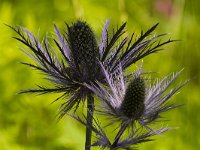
pixel 28 122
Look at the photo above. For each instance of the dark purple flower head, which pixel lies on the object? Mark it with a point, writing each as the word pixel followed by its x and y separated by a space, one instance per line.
pixel 80 57
pixel 134 99
pixel 134 102
pixel 85 51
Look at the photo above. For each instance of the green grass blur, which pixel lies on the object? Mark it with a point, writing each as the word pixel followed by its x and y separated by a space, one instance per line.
pixel 28 122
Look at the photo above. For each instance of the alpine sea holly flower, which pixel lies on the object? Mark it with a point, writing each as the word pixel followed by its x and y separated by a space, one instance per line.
pixel 79 65
pixel 80 56
pixel 133 101
pixel 79 62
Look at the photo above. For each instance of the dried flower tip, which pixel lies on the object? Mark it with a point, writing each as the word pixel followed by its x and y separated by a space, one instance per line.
pixel 84 48
pixel 133 103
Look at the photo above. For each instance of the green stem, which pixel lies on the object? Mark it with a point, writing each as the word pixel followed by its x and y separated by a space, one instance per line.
pixel 90 111
pixel 119 134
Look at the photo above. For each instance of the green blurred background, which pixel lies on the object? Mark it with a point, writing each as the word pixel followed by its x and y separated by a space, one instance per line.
pixel 28 122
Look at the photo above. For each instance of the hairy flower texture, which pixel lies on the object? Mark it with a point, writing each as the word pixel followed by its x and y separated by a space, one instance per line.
pixel 77 61
pixel 134 102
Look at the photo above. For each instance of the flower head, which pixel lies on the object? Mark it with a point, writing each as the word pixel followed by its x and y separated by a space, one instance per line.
pixel 134 102
pixel 85 51
pixel 134 98
pixel 80 57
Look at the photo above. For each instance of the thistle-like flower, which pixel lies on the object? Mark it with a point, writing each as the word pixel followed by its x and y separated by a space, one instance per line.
pixel 78 65
pixel 134 102
pixel 80 57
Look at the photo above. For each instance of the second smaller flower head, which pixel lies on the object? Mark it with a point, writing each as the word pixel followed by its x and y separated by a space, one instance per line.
pixel 128 100
pixel 133 103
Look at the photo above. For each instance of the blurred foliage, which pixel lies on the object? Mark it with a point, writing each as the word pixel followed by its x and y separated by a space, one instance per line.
pixel 28 122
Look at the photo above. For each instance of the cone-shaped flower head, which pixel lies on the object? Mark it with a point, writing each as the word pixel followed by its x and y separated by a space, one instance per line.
pixel 84 49
pixel 134 99
pixel 133 103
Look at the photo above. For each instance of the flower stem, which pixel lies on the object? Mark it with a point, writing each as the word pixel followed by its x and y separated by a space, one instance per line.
pixel 119 134
pixel 90 111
